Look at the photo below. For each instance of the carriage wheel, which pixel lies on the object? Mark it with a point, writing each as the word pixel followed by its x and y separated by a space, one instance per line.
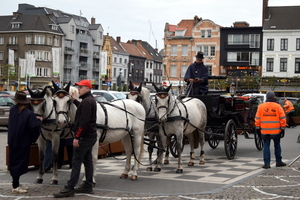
pixel 259 143
pixel 173 145
pixel 213 140
pixel 230 139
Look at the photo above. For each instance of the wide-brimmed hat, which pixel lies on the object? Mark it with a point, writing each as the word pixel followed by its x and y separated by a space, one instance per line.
pixel 20 97
pixel 85 82
pixel 199 55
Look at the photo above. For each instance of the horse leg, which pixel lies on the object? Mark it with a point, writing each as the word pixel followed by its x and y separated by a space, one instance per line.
pixel 192 153
pixel 162 144
pixel 179 147
pixel 128 151
pixel 150 151
pixel 138 149
pixel 202 141
pixel 167 154
pixel 42 147
pixel 55 146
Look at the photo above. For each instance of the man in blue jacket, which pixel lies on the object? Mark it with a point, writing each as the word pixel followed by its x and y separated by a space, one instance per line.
pixel 197 76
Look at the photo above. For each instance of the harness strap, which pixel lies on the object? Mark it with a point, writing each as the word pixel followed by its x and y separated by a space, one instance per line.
pixel 103 135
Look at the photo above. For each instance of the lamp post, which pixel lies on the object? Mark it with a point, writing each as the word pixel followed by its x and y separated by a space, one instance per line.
pixel 232 91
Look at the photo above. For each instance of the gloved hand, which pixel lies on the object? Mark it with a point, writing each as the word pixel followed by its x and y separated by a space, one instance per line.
pixel 282 133
pixel 197 80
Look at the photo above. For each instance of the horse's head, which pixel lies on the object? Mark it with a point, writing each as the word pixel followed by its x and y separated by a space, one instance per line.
pixel 62 102
pixel 163 100
pixel 135 93
pixel 37 101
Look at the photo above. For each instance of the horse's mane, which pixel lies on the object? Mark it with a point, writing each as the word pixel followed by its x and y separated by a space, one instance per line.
pixel 145 93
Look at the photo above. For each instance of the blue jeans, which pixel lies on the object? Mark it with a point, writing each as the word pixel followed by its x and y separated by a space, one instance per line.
pixel 267 154
pixel 48 155
pixel 82 154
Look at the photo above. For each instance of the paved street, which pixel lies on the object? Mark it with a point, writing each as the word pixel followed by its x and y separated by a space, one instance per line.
pixel 219 178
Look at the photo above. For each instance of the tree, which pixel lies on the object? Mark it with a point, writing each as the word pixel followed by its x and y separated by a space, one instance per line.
pixel 270 81
pixel 10 72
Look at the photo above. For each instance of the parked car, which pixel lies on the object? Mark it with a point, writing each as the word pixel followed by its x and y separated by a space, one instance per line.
pixel 5 104
pixel 8 92
pixel 109 95
pixel 261 97
pixel 100 98
pixel 293 100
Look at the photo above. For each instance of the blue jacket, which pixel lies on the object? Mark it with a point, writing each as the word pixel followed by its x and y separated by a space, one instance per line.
pixel 196 70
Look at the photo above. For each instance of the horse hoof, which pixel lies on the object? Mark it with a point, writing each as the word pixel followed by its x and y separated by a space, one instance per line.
pixel 39 181
pixel 179 171
pixel 53 182
pixel 133 177
pixel 124 176
pixel 201 162
pixel 191 164
pixel 166 162
pixel 157 169
pixel 149 169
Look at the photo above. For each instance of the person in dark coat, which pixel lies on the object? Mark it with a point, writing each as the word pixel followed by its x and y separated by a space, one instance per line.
pixel 85 138
pixel 196 76
pixel 23 130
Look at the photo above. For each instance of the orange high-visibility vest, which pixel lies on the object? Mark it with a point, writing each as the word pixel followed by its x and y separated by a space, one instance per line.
pixel 270 118
pixel 288 106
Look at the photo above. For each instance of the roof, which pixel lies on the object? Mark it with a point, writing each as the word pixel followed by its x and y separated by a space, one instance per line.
pixel 282 17
pixel 156 56
pixel 28 22
pixel 142 49
pixel 116 48
pixel 185 24
pixel 132 49
pixel 94 26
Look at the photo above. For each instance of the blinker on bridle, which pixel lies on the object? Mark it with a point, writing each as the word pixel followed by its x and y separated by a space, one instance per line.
pixel 162 95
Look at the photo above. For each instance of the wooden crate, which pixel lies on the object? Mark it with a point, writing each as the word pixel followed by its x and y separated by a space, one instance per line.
pixel 117 148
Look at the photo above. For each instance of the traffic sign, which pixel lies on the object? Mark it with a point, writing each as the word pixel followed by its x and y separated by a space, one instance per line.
pixel 164 83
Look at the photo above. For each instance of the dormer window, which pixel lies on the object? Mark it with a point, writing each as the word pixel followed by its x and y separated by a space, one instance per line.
pixel 180 32
pixel 54 27
pixel 16 24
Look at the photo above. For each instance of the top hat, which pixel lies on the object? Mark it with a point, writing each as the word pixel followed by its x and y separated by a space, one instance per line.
pixel 199 55
pixel 21 98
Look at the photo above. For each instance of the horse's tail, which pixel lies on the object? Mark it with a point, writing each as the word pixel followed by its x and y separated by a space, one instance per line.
pixel 196 139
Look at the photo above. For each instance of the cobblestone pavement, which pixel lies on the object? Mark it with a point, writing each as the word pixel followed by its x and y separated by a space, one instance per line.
pixel 274 183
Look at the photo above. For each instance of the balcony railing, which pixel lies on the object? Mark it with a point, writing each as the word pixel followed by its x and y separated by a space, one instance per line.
pixel 84 65
pixel 69 50
pixel 81 77
pixel 96 54
pixel 84 52
pixel 68 63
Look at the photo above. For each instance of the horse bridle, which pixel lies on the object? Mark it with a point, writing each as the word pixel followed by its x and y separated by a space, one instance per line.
pixel 62 94
pixel 34 101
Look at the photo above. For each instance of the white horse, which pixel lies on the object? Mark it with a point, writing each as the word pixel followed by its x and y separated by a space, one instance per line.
pixel 142 95
pixel 180 118
pixel 42 105
pixel 117 121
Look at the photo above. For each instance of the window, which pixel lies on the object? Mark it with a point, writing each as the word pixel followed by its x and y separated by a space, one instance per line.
pixel 115 72
pixel 183 70
pixel 125 61
pixel 205 50
pixel 297 65
pixel 203 33
pixel 283 64
pixel 1 40
pixel 209 33
pixel 284 45
pixel 38 71
pixel 125 72
pixel 212 50
pixel 238 39
pixel 237 56
pixel 49 40
pixel 46 72
pixel 120 60
pixel 55 41
pixel 254 41
pixel 39 55
pixel 1 55
pixel 270 64
pixel 180 33
pixel 209 68
pixel 39 39
pixel 72 29
pixel 46 56
pixel 115 59
pixel 297 43
pixel 12 40
pixel 270 45
pixel 16 24
pixel 173 71
pixel 100 35
pixel 173 50
pixel 184 50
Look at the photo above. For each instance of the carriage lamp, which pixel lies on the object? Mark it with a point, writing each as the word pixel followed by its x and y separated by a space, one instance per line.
pixel 232 91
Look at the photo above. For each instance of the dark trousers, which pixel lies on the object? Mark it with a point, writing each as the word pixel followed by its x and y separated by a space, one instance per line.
pixel 267 153
pixel 290 117
pixel 82 154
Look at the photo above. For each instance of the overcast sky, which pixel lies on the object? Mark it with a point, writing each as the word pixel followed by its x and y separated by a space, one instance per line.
pixel 145 19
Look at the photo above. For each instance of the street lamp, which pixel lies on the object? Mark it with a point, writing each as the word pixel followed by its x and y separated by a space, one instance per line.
pixel 232 91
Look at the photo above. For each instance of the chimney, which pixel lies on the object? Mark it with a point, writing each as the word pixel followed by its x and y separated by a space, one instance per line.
pixel 197 19
pixel 118 39
pixel 265 14
pixel 16 14
pixel 93 20
pixel 156 49
pixel 241 24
